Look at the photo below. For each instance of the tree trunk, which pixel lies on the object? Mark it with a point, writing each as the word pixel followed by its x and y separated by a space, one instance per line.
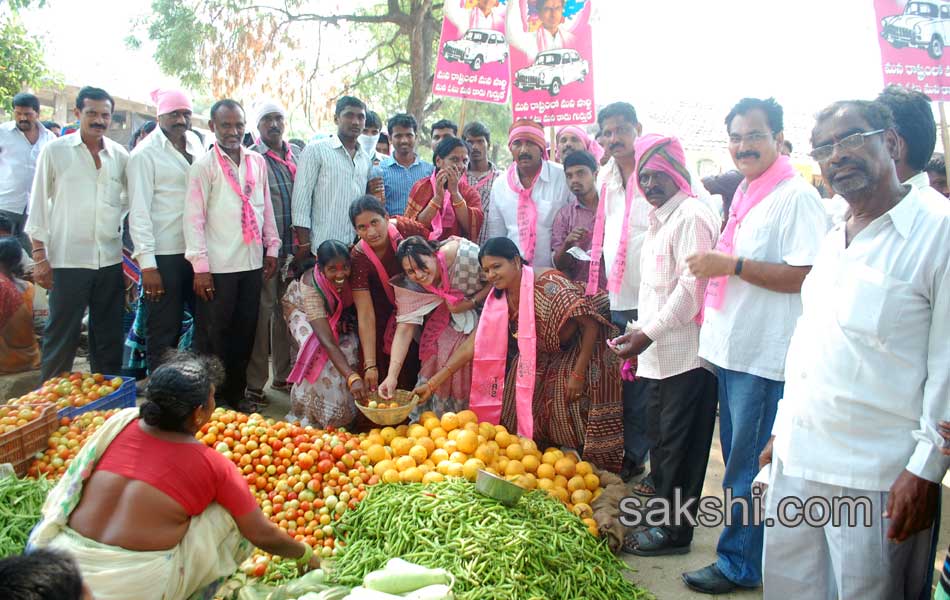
pixel 422 35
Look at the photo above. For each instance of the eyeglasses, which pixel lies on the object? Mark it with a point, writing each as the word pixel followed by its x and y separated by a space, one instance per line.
pixel 749 138
pixel 852 142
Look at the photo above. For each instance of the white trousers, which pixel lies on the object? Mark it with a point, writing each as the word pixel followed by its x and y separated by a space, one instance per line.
pixel 836 562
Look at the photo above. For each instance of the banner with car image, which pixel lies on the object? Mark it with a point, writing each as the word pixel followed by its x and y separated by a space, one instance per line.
pixel 473 52
pixel 915 39
pixel 552 62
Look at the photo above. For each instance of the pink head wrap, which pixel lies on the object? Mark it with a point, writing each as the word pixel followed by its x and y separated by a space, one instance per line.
pixel 170 100
pixel 532 131
pixel 665 154
pixel 590 143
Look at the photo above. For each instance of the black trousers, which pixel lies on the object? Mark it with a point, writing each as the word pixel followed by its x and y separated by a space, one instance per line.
pixel 74 290
pixel 163 325
pixel 226 325
pixel 681 417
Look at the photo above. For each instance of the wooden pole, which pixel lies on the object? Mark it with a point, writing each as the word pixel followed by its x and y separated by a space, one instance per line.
pixel 945 133
pixel 552 135
pixel 462 116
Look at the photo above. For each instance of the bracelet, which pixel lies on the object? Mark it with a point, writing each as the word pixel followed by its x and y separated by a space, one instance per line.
pixel 576 376
pixel 370 367
pixel 307 555
pixel 739 262
pixel 307 245
pixel 429 387
pixel 39 262
pixel 353 378
pixel 459 203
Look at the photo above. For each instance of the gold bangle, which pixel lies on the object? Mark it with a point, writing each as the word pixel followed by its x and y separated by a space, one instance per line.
pixel 354 377
pixel 461 202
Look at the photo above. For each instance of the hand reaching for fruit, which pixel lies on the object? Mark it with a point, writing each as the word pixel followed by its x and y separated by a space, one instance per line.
pixel 387 388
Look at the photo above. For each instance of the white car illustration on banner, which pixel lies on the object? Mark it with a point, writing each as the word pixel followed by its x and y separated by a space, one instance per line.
pixel 552 70
pixel 922 25
pixel 477 47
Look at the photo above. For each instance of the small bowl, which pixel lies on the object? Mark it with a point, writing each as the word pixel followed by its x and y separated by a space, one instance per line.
pixel 390 416
pixel 500 489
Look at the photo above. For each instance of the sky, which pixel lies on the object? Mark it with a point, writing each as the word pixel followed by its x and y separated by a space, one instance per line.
pixel 806 53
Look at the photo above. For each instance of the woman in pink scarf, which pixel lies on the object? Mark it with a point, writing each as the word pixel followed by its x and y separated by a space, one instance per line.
pixel 437 297
pixel 571 395
pixel 319 312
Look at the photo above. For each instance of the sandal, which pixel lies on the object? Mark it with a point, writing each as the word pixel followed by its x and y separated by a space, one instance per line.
pixel 256 398
pixel 654 541
pixel 645 488
pixel 281 386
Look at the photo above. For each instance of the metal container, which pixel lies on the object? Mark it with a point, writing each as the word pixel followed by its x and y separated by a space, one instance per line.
pixel 495 487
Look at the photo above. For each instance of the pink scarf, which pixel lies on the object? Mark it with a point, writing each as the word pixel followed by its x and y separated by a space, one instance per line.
pixel 491 350
pixel 747 197
pixel 252 232
pixel 313 357
pixel 288 162
pixel 527 212
pixel 446 216
pixel 615 282
pixel 597 246
pixel 394 238
pixel 440 317
pixel 592 145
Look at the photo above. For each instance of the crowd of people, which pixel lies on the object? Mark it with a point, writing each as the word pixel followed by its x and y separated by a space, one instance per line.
pixel 606 301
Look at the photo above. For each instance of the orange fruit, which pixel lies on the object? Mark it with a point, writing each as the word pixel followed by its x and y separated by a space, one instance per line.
pixel 591 482
pixel 487 430
pixel 443 466
pixel 433 477
pixel 437 433
pixel 427 443
pixel 405 462
pixel 581 497
pixel 576 483
pixel 419 453
pixel 427 415
pixel 418 431
pixel 545 471
pixel 450 421
pixel 502 438
pixel 560 494
pixel 411 475
pixel 592 527
pixel 514 467
pixel 545 484
pixel 389 434
pixel 514 451
pixel 563 466
pixel 467 441
pixel 458 457
pixel 376 453
pixel 471 468
pixel 401 446
pixel 383 466
pixel 550 457
pixel 561 482
pixel 431 423
pixel 467 416
pixel 502 463
pixel 528 481
pixel 450 446
pixel 391 476
pixel 486 454
pixel 438 455
pixel 584 468
pixel 455 469
pixel 529 446
pixel 530 462
pixel 454 434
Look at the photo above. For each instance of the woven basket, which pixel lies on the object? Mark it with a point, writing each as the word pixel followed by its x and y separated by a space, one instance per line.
pixel 390 416
pixel 20 445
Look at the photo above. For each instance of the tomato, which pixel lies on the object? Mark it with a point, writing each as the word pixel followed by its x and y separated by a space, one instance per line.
pixel 325 466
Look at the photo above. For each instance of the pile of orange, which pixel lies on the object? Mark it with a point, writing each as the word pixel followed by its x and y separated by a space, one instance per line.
pixel 458 445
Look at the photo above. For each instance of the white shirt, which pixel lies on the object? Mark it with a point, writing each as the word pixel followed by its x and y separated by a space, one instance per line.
pixel 17 164
pixel 610 186
pixel 214 239
pixel 76 210
pixel 158 182
pixel 750 332
pixel 670 296
pixel 868 372
pixel 328 181
pixel 550 194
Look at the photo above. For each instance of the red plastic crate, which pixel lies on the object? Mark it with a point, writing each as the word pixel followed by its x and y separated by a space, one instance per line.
pixel 20 446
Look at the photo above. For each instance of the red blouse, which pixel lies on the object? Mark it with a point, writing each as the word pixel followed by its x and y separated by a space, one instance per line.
pixel 193 475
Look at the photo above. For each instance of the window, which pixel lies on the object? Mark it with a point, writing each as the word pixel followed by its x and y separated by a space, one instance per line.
pixel 945 12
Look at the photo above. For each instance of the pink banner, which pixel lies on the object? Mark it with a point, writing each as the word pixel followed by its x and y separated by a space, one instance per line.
pixel 473 52
pixel 552 67
pixel 914 38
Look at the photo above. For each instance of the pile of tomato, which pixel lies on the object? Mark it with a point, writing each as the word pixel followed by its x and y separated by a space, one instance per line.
pixel 304 478
pixel 66 442
pixel 71 390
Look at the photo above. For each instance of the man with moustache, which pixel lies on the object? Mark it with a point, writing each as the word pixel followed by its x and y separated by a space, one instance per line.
pixel 232 243
pixel 272 336
pixel 572 139
pixel 404 168
pixel 158 183
pixel 775 226
pixel 867 378
pixel 481 172
pixel 21 141
pixel 330 174
pixel 526 199
pixel 77 205
pixel 574 224
pixel 681 393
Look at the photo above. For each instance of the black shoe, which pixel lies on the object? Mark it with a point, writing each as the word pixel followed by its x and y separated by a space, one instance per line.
pixel 630 469
pixel 708 580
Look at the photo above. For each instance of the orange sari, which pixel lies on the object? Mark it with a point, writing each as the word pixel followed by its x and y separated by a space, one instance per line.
pixel 19 350
pixel 422 193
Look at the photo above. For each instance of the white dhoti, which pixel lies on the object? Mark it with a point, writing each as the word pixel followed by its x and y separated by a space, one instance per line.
pixel 837 560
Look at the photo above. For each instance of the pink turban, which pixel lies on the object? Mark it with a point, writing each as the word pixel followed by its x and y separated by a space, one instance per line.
pixel 532 131
pixel 590 143
pixel 169 101
pixel 665 154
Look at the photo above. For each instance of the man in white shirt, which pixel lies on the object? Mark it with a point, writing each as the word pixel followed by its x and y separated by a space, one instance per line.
pixel 232 243
pixel 21 141
pixel 525 200
pixel 775 226
pixel 77 205
pixel 867 378
pixel 158 182
pixel 681 406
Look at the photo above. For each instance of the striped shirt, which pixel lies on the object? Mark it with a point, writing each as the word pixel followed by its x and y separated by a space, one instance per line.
pixel 399 180
pixel 281 194
pixel 328 181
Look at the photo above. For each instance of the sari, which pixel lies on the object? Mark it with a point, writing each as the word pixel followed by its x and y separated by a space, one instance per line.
pixel 422 193
pixel 320 396
pixel 593 424
pixel 441 331
pixel 19 350
pixel 210 552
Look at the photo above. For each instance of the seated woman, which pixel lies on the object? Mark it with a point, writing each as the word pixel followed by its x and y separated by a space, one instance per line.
pixel 456 210
pixel 320 315
pixel 541 362
pixel 374 264
pixel 439 294
pixel 19 350
pixel 146 510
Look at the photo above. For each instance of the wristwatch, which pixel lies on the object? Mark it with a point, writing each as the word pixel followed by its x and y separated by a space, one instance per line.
pixel 739 262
